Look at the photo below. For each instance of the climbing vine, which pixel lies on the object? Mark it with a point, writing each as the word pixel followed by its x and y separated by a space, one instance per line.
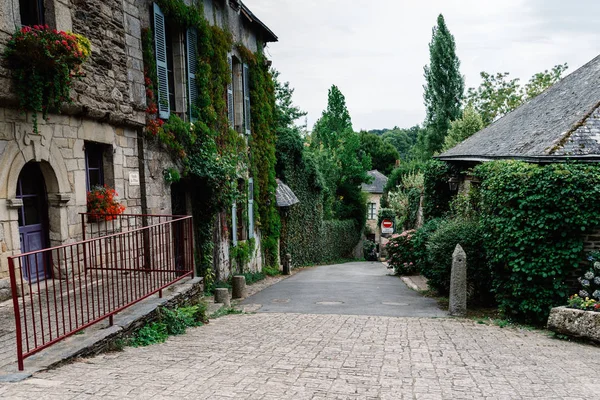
pixel 262 150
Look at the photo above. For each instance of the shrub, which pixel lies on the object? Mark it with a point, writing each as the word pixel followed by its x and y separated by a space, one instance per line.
pixel 401 253
pixel 533 218
pixel 436 192
pixel 441 245
pixel 271 271
pixel 369 250
pixel 419 242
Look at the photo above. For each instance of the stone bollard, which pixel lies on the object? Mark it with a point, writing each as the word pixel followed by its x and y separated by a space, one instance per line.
pixel 239 287
pixel 287 264
pixel 458 283
pixel 222 296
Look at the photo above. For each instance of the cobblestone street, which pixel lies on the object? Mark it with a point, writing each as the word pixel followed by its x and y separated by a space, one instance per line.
pixel 296 356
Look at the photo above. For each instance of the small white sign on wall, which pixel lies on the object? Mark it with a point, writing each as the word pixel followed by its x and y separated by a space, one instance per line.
pixel 134 179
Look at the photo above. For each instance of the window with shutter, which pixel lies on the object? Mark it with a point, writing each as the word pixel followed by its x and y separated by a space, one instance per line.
pixel 192 65
pixel 247 115
pixel 230 106
pixel 250 208
pixel 234 224
pixel 160 43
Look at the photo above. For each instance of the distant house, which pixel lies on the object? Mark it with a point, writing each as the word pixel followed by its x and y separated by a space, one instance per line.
pixel 374 191
pixel 562 123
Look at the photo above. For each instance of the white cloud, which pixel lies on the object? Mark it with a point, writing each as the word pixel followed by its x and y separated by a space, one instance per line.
pixel 375 50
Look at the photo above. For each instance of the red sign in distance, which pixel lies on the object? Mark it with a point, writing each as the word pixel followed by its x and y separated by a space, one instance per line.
pixel 386 223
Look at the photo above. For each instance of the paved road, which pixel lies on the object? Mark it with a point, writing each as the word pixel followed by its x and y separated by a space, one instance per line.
pixel 307 356
pixel 358 288
pixel 321 355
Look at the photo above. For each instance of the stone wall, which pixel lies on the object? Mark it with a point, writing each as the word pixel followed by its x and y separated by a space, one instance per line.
pixel 372 223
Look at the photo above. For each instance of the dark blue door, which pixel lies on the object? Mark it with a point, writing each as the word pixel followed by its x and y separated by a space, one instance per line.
pixel 33 217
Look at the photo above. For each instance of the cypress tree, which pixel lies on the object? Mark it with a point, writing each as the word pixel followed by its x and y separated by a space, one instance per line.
pixel 444 87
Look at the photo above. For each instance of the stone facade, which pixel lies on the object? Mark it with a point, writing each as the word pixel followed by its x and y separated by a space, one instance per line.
pixel 374 198
pixel 108 110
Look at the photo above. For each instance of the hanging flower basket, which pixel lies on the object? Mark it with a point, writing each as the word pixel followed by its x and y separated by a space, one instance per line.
pixel 44 63
pixel 101 204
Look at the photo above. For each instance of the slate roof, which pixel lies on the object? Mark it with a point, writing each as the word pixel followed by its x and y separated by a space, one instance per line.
pixel 284 195
pixel 562 122
pixel 378 184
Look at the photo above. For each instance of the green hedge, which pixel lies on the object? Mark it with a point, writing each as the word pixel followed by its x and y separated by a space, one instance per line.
pixel 441 245
pixel 533 218
pixel 304 234
pixel 339 238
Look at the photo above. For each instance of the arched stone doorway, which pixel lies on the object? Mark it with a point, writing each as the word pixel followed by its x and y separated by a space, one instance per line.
pixel 33 219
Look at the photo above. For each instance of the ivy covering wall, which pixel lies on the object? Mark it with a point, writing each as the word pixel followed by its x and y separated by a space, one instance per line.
pixel 304 234
pixel 533 218
pixel 211 155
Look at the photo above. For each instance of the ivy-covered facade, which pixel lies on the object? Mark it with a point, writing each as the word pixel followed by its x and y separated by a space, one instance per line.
pixel 171 110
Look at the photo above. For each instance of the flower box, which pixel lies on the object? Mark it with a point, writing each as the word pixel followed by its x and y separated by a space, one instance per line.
pixel 577 323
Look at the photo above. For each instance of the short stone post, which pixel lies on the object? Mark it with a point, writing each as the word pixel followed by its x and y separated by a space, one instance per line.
pixel 238 284
pixel 287 264
pixel 458 283
pixel 222 296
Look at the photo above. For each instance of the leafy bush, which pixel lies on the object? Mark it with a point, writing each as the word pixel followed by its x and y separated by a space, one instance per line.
pixel 401 253
pixel 253 277
pixel 271 271
pixel 156 332
pixel 369 250
pixel 533 217
pixel 170 322
pixel 441 246
pixel 419 242
pixel 436 192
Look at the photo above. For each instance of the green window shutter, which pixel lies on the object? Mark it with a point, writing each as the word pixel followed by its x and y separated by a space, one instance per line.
pixel 192 65
pixel 230 106
pixel 160 43
pixel 247 115
pixel 234 224
pixel 250 208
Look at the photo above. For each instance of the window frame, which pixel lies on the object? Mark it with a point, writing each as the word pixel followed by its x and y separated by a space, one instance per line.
pixel 371 208
pixel 97 150
pixel 39 14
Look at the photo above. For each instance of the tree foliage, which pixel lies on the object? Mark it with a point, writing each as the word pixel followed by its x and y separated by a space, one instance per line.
pixel 469 124
pixel 383 154
pixel 498 94
pixel 341 161
pixel 444 87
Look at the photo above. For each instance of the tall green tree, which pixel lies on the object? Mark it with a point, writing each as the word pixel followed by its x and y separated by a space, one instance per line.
pixel 341 161
pixel 335 122
pixel 444 87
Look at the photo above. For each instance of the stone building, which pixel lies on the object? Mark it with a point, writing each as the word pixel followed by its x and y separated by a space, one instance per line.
pixel 99 139
pixel 374 192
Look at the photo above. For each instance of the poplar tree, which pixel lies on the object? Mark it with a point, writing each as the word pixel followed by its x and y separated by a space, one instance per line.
pixel 444 87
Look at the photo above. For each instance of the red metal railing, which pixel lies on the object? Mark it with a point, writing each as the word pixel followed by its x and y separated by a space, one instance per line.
pixel 95 278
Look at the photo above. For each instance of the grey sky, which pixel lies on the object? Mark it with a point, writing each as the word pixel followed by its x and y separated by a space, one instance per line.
pixel 375 50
